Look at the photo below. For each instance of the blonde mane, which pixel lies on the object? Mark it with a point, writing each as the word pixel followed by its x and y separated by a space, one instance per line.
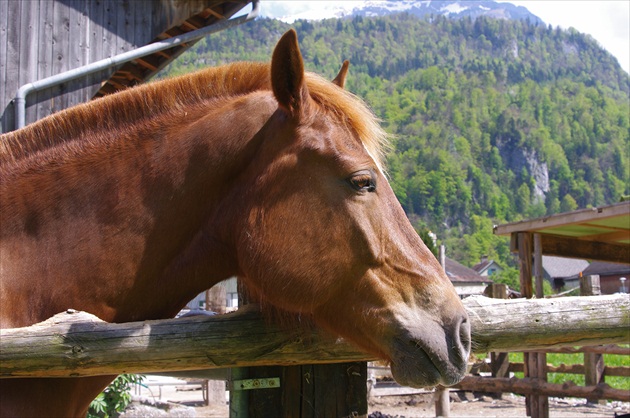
pixel 101 117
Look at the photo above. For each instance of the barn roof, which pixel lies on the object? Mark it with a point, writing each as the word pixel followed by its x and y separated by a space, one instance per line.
pixel 459 273
pixel 600 233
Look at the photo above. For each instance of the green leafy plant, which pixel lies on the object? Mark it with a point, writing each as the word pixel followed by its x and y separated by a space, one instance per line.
pixel 115 398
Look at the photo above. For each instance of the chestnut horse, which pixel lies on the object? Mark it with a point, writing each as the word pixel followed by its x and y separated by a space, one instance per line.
pixel 128 206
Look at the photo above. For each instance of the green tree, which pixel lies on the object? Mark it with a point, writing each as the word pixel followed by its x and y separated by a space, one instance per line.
pixel 568 203
pixel 510 277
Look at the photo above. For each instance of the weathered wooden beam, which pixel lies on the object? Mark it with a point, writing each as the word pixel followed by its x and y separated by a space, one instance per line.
pixel 79 344
pixel 601 349
pixel 571 247
pixel 621 371
pixel 529 386
pixel 539 324
pixel 589 250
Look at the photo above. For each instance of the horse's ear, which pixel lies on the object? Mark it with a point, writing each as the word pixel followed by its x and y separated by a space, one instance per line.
pixel 287 74
pixel 340 80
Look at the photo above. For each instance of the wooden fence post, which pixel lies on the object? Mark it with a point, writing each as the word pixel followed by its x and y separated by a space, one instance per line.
pixel 593 362
pixel 215 302
pixel 539 359
pixel 318 390
pixel 441 396
pixel 534 363
pixel 499 362
pixel 239 399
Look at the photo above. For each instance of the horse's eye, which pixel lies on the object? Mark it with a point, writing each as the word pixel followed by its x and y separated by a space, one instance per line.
pixel 363 181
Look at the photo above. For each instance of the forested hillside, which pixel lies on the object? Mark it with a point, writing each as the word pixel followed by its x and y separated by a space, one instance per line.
pixel 492 120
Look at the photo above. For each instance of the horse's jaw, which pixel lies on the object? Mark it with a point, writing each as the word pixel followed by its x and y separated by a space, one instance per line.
pixel 428 354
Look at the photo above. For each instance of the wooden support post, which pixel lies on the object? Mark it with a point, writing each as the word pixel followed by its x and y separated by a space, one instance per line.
pixel 590 285
pixel 525 263
pixel 593 362
pixel 325 390
pixel 534 363
pixel 538 267
pixel 442 402
pixel 308 391
pixel 540 403
pixel 442 399
pixel 215 302
pixel 239 399
pixel 315 390
pixel 535 369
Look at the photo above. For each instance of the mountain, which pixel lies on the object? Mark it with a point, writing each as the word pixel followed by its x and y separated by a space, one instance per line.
pixel 451 9
pixel 424 8
pixel 492 120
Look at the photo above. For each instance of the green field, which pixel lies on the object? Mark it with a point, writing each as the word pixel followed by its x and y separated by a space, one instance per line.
pixel 578 358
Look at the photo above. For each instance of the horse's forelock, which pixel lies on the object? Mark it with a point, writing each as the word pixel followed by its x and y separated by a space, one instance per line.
pixel 353 111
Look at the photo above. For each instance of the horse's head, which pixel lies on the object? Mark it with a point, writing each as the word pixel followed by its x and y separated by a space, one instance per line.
pixel 323 233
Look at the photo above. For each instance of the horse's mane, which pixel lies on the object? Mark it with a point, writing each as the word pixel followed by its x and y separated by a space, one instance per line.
pixel 114 112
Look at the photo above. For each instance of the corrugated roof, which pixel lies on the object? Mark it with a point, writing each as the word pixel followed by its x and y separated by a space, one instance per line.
pixel 561 267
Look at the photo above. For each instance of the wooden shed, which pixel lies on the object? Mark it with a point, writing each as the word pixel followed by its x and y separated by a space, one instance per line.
pixel 43 38
pixel 600 233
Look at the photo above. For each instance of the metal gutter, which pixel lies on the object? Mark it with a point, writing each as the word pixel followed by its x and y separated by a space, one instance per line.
pixel 25 90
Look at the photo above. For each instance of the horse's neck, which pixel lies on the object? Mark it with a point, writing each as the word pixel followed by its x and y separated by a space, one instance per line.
pixel 130 237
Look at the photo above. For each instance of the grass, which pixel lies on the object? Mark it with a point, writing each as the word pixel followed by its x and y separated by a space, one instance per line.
pixel 556 359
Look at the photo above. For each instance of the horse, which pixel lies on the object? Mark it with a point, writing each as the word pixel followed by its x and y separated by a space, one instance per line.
pixel 129 205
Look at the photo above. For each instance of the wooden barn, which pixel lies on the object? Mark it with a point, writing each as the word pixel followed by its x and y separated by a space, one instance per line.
pixel 58 53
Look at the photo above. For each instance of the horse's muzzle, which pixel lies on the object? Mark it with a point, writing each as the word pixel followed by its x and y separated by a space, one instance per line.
pixel 429 354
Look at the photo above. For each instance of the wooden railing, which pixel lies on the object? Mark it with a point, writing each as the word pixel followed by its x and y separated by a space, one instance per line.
pixel 78 344
pixel 592 391
pixel 535 367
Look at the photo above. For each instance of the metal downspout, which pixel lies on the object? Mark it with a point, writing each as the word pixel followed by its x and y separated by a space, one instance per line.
pixel 25 90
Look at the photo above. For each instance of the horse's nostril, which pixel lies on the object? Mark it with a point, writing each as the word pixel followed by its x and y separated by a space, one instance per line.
pixel 464 336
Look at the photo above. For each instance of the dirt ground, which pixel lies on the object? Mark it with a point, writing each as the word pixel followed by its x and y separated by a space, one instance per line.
pixel 187 401
pixel 508 406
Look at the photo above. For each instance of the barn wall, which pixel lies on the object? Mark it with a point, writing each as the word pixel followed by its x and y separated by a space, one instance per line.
pixel 40 38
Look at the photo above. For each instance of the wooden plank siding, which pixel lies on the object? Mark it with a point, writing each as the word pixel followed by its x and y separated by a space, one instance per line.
pixel 11 58
pixel 42 99
pixel 41 38
pixel 4 20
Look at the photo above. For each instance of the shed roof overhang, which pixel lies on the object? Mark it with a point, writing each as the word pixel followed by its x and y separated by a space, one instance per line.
pixel 601 233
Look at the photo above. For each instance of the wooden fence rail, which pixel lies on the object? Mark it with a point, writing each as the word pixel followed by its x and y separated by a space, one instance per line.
pixel 563 368
pixel 597 349
pixel 530 386
pixel 79 344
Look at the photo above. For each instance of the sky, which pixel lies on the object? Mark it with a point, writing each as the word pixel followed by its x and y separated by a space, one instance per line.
pixel 607 21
